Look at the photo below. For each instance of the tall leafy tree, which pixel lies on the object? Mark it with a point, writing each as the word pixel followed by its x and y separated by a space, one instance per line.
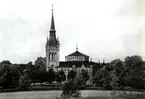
pixel 133 65
pixel 98 78
pixel 9 74
pixel 40 63
pixel 118 68
pixel 114 80
pixel 29 68
pixel 106 77
pixel 102 78
pixel 81 78
pixel 85 75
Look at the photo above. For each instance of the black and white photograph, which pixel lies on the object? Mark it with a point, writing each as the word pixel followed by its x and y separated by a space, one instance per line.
pixel 72 49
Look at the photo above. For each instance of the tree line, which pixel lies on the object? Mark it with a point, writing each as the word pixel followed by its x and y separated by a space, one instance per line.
pixel 118 74
pixel 23 75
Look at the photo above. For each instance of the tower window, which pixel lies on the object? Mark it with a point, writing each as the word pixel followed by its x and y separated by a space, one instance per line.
pixel 52 56
pixel 55 56
pixel 49 56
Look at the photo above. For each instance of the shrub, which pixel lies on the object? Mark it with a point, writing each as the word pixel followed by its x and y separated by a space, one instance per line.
pixel 70 89
pixel 80 83
pixel 24 81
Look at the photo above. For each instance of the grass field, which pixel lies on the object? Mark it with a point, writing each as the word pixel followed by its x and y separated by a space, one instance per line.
pixel 86 94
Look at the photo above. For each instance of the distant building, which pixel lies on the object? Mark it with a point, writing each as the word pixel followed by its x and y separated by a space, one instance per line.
pixel 52 48
pixel 77 56
pixel 75 61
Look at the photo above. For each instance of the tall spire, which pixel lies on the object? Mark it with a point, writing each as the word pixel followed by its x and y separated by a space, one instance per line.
pixel 52 28
pixel 52 37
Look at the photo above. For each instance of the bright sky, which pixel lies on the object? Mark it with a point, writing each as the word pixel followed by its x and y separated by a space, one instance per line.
pixel 103 29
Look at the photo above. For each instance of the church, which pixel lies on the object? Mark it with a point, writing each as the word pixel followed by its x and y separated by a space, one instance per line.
pixel 75 61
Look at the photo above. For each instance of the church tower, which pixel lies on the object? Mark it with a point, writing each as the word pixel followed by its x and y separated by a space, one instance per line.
pixel 52 48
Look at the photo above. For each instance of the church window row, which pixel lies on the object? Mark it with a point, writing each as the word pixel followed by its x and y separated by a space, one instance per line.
pixel 75 58
pixel 52 56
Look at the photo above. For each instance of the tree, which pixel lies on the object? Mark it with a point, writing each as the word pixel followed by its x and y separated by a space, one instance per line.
pixel 9 74
pixel 6 79
pixel 4 66
pixel 133 70
pixel 97 79
pixel 51 76
pixel 6 62
pixel 118 68
pixel 102 78
pixel 60 76
pixel 106 78
pixel 81 78
pixel 133 63
pixel 40 64
pixel 29 68
pixel 24 81
pixel 114 80
pixel 71 74
pixel 137 80
pixel 80 81
pixel 85 75
pixel 70 89
pixel 34 76
pixel 45 76
pixel 15 74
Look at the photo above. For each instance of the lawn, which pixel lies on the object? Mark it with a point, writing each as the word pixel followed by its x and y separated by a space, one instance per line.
pixel 30 95
pixel 86 94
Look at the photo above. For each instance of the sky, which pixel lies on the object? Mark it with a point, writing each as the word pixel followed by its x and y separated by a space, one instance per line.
pixel 102 29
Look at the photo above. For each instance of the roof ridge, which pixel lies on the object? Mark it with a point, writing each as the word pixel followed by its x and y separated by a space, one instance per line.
pixel 77 53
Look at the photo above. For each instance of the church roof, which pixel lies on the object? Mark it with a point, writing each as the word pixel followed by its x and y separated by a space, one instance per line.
pixel 67 64
pixel 77 53
pixel 53 41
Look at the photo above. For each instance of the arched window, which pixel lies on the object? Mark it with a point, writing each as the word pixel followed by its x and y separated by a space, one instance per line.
pixel 52 56
pixel 49 56
pixel 55 56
